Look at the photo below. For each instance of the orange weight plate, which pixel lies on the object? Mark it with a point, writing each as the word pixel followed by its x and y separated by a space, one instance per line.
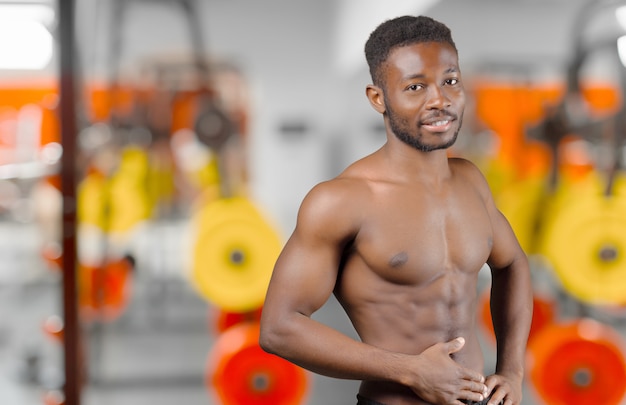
pixel 104 292
pixel 580 363
pixel 239 372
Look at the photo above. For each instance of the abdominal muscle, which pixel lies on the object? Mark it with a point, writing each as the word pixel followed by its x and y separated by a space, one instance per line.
pixel 409 319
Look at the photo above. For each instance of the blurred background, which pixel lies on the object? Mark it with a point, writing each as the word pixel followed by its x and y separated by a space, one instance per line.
pixel 153 155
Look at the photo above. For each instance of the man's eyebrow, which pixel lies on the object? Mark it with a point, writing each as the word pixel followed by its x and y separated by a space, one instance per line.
pixel 414 76
pixel 451 69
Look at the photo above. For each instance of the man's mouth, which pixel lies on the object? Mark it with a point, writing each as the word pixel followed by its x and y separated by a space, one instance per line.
pixel 439 125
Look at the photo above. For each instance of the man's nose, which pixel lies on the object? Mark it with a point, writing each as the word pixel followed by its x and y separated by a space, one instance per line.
pixel 437 98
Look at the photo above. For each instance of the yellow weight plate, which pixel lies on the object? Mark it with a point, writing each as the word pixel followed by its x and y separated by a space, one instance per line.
pixel 520 203
pixel 224 209
pixel 570 191
pixel 92 196
pixel 129 200
pixel 212 209
pixel 594 183
pixel 233 260
pixel 129 205
pixel 585 243
pixel 134 163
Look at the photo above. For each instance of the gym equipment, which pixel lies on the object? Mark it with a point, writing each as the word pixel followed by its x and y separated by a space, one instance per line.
pixel 583 234
pixel 92 200
pixel 227 319
pixel 584 243
pixel 521 202
pixel 103 292
pixel 240 372
pixel 234 254
pixel 128 200
pixel 579 362
pixel 213 127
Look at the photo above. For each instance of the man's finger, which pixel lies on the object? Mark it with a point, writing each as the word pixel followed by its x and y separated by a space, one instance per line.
pixel 475 386
pixel 497 397
pixel 491 382
pixel 455 345
pixel 473 375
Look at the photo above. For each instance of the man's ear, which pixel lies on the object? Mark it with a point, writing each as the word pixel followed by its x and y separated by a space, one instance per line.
pixel 376 97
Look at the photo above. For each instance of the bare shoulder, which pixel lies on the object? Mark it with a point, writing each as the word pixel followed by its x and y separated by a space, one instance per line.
pixel 334 207
pixel 469 172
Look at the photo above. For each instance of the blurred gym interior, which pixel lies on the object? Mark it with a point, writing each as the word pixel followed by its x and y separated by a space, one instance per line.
pixel 153 155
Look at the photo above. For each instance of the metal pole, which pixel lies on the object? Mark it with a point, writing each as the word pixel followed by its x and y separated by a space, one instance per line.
pixel 67 91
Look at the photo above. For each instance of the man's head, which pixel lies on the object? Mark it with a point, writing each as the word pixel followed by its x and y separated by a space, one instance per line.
pixel 417 81
pixel 398 32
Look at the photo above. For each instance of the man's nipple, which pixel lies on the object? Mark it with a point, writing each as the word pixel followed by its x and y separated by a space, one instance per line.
pixel 399 259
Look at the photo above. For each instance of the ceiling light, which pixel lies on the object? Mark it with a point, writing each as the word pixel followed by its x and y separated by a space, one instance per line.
pixel 25 40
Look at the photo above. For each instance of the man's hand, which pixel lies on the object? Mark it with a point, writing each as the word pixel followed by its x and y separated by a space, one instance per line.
pixel 504 390
pixel 443 381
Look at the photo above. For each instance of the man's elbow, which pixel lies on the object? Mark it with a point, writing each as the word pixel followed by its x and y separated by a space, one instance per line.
pixel 270 338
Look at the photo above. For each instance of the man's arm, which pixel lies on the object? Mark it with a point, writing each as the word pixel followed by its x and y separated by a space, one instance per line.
pixel 302 281
pixel 511 309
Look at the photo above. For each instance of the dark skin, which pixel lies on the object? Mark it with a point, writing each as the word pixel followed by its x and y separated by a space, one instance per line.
pixel 399 237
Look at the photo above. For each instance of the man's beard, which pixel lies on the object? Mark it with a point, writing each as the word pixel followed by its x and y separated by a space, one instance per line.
pixel 401 129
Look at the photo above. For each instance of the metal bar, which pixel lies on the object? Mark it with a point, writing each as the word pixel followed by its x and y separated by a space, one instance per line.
pixel 67 91
pixel 197 40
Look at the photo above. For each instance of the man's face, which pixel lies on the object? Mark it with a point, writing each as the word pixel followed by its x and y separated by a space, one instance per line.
pixel 424 96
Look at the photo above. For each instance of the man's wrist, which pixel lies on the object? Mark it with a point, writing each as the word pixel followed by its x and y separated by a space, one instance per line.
pixel 516 373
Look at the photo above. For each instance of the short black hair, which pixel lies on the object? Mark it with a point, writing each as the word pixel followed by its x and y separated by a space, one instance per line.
pixel 402 31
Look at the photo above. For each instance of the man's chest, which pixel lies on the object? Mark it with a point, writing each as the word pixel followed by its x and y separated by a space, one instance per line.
pixel 420 237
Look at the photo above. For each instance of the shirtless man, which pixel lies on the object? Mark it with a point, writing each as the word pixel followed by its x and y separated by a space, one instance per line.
pixel 399 237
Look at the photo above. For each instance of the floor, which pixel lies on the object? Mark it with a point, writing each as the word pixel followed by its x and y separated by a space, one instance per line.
pixel 155 353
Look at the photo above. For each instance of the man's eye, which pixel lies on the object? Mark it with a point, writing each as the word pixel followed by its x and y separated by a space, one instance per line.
pixel 452 82
pixel 414 87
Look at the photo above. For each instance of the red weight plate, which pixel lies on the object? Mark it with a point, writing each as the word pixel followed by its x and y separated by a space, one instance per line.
pixel 578 363
pixel 104 292
pixel 226 319
pixel 241 373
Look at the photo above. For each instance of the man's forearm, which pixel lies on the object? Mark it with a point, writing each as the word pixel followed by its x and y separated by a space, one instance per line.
pixel 512 309
pixel 323 350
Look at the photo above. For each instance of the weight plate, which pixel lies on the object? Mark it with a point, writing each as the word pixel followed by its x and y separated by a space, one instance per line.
pixel 227 319
pixel 234 255
pixel 520 203
pixel 240 372
pixel 580 362
pixel 585 244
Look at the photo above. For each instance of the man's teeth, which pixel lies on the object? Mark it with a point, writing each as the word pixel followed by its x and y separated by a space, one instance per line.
pixel 439 123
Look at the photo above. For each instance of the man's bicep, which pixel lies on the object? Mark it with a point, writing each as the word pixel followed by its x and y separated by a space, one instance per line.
pixel 506 248
pixel 306 271
pixel 304 276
